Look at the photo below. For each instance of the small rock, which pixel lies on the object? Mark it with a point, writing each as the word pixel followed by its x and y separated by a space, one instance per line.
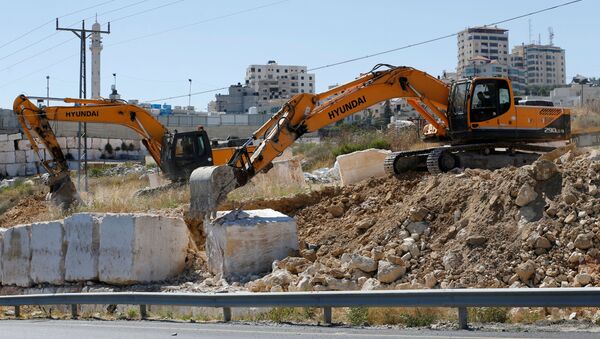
pixel 525 195
pixel 417 227
pixel 277 288
pixel 336 210
pixel 544 170
pixel 363 263
pixel 430 280
pixel 542 242
pixel 476 240
pixel 575 258
pixel 417 214
pixel 569 198
pixel 570 218
pixel 451 260
pixel 526 271
pixel 309 254
pixel 583 242
pixel 388 272
pixel 365 224
pixel 583 279
pixel 371 284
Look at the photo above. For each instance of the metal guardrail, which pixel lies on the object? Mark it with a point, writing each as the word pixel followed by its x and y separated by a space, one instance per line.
pixel 457 298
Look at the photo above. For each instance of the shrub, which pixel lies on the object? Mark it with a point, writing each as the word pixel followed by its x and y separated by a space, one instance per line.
pixel 488 314
pixel 358 316
pixel 108 148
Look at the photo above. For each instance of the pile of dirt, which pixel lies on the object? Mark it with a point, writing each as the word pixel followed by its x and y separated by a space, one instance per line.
pixel 536 226
pixel 29 209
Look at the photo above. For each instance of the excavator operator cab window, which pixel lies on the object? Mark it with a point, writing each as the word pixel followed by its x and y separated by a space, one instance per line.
pixel 490 99
pixel 189 146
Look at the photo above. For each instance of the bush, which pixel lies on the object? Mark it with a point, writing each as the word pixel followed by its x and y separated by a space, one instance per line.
pixel 488 314
pixel 379 143
pixel 419 319
pixel 358 316
pixel 108 148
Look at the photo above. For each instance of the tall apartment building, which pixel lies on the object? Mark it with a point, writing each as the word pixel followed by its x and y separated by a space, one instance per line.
pixel 542 65
pixel 488 42
pixel 274 81
pixel 238 100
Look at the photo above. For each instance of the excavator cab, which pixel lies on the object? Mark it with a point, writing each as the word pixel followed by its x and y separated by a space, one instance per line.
pixel 184 152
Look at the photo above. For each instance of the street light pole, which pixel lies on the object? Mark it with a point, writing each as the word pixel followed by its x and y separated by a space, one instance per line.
pixel 115 79
pixel 47 90
pixel 190 94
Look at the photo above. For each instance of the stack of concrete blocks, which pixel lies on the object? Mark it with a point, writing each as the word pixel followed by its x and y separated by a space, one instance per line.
pixel 110 248
pixel 361 165
pixel 240 243
pixel 18 159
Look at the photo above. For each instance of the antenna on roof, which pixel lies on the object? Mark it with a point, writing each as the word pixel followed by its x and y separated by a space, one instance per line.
pixel 529 22
pixel 550 36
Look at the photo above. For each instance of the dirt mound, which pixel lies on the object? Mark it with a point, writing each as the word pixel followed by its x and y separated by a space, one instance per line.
pixel 27 210
pixel 531 226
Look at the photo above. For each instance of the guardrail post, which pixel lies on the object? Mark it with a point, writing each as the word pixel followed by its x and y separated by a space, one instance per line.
pixel 327 315
pixel 74 311
pixel 226 314
pixel 17 311
pixel 463 316
pixel 143 313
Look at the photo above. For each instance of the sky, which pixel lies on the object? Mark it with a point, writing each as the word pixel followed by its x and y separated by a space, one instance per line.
pixel 155 46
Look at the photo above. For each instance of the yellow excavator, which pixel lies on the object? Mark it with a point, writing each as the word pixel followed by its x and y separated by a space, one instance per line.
pixel 478 119
pixel 177 154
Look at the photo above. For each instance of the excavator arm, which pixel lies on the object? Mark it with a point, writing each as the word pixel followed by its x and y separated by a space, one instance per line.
pixel 306 113
pixel 37 120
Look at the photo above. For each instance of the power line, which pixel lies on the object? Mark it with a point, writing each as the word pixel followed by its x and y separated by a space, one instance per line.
pixel 37 71
pixel 199 22
pixel 389 50
pixel 147 10
pixel 50 21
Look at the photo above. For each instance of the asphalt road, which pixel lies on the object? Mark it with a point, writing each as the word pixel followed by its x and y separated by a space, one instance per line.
pixel 50 329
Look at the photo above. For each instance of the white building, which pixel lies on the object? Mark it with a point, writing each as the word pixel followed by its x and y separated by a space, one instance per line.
pixel 488 42
pixel 544 65
pixel 273 81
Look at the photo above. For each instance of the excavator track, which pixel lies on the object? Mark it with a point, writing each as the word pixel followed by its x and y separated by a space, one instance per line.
pixel 445 158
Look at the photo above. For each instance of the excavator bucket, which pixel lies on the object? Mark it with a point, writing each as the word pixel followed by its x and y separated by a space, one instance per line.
pixel 209 187
pixel 62 191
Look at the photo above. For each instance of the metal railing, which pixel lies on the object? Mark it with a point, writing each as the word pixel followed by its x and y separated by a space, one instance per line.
pixel 456 298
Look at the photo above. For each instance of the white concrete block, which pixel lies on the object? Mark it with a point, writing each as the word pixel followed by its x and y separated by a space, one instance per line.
pixel 7 157
pixel 287 171
pixel 16 256
pixel 2 230
pixel 94 154
pixel 24 145
pixel 3 137
pixel 16 136
pixel 30 169
pixel 361 165
pixel 239 243
pixel 71 142
pixel 141 248
pixel 7 146
pixel 48 252
pixel 20 157
pixel 30 156
pixel 62 142
pixel 14 170
pixel 3 170
pixel 82 235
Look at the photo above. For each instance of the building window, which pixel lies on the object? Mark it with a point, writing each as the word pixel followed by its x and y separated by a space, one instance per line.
pixel 252 69
pixel 309 78
pixel 302 78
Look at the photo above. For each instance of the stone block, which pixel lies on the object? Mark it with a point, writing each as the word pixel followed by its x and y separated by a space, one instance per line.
pixel 14 170
pixel 138 248
pixel 30 169
pixel 16 136
pixel 3 137
pixel 20 157
pixel 2 230
pixel 3 170
pixel 71 142
pixel 16 256
pixel 24 145
pixel 30 156
pixel 7 146
pixel 287 171
pixel 239 243
pixel 82 235
pixel 94 154
pixel 48 252
pixel 360 165
pixel 62 142
pixel 7 157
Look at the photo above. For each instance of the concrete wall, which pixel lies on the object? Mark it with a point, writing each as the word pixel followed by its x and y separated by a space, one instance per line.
pixel 111 248
pixel 18 159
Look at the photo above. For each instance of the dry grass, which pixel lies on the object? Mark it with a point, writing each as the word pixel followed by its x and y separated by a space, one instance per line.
pixel 271 186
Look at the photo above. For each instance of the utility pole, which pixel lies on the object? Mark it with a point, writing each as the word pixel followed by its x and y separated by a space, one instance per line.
pixel 47 90
pixel 190 94
pixel 82 34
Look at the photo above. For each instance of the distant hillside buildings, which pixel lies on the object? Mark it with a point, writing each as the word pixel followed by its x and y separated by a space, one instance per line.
pixel 266 89
pixel 483 51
